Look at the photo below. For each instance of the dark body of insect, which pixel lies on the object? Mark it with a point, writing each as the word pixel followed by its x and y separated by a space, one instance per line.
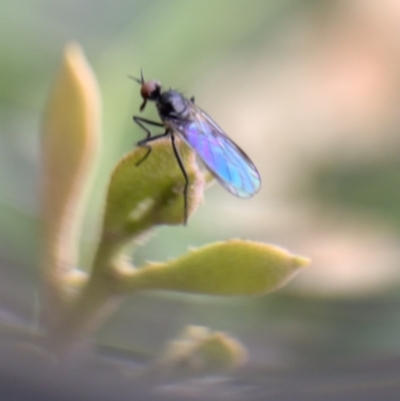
pixel 181 116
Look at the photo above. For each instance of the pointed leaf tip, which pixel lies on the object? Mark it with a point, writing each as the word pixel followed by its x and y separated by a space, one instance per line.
pixel 234 267
pixel 71 132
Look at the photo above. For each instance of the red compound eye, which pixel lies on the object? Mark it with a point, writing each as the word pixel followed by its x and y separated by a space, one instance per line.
pixel 150 90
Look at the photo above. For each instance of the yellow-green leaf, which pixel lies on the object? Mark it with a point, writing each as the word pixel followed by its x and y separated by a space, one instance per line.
pixel 71 133
pixel 145 193
pixel 234 267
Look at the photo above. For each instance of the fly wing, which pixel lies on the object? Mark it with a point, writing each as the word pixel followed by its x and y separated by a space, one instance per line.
pixel 230 165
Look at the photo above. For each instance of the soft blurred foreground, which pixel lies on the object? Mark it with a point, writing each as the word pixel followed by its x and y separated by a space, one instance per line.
pixel 310 91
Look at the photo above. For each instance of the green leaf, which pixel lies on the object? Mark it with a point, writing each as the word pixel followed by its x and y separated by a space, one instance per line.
pixel 234 267
pixel 71 132
pixel 146 193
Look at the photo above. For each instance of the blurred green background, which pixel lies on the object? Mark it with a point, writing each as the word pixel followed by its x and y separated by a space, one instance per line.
pixel 309 89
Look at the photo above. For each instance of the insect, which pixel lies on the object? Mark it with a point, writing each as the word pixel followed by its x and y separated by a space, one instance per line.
pixel 180 117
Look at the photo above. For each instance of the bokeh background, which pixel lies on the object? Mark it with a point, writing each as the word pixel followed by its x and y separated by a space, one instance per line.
pixel 311 91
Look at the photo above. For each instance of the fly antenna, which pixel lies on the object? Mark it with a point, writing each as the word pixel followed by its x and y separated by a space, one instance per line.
pixel 135 79
pixel 139 81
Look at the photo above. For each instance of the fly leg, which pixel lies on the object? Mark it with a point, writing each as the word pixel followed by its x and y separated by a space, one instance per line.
pixel 144 142
pixel 185 176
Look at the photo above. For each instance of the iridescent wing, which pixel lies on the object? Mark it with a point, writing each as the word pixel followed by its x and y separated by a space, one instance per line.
pixel 229 164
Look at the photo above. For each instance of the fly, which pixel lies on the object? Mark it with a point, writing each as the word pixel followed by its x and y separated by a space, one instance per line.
pixel 179 116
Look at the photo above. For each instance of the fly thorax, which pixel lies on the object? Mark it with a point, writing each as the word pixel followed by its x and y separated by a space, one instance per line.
pixel 172 105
